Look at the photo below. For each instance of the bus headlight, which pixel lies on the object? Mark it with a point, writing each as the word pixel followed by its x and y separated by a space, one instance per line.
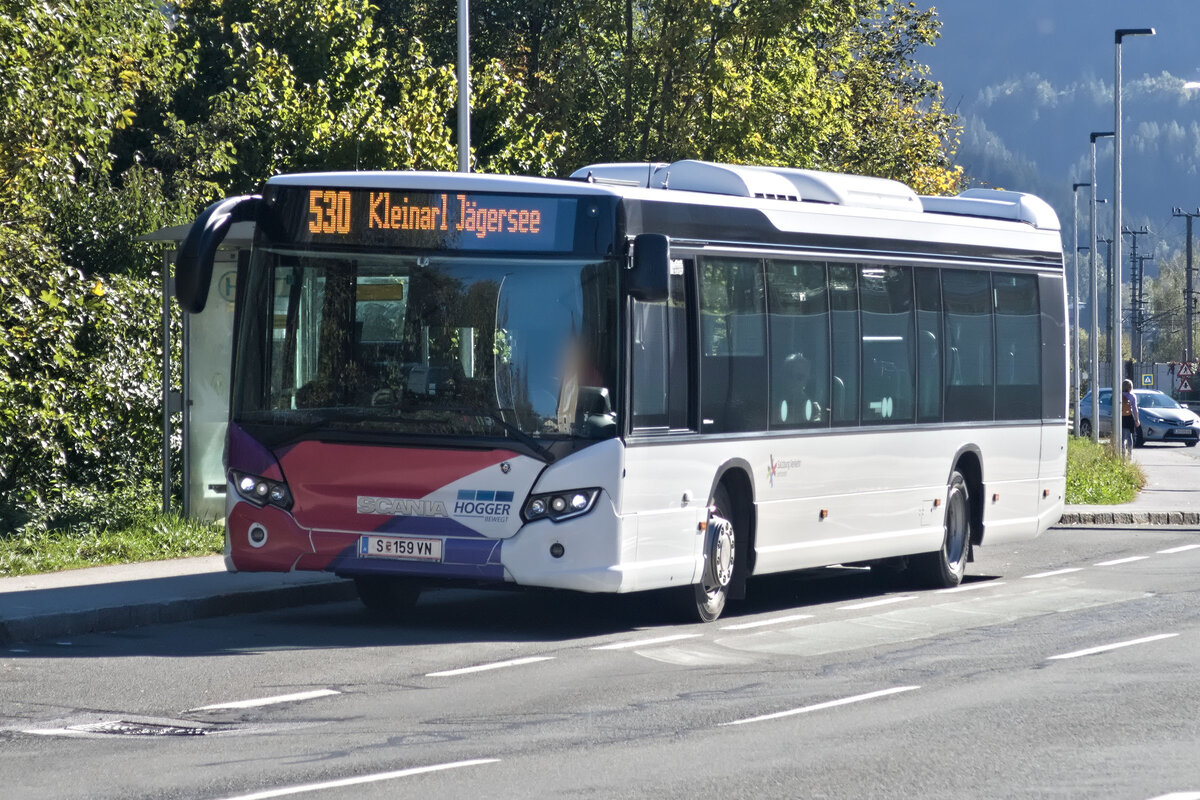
pixel 559 506
pixel 261 491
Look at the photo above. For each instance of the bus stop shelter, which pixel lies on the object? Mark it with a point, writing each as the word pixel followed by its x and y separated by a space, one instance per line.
pixel 202 401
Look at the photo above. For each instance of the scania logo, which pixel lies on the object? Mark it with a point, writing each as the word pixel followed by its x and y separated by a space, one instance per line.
pixel 401 507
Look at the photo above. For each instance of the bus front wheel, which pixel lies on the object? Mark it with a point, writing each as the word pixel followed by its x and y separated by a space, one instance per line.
pixel 387 596
pixel 707 598
pixel 944 568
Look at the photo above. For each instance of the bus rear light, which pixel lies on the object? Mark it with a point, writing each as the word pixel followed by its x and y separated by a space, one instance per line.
pixel 261 491
pixel 559 506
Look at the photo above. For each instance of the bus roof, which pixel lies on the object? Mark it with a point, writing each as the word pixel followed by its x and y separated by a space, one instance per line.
pixel 789 201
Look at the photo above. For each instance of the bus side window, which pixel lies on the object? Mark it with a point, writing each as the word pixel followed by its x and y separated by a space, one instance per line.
pixel 843 323
pixel 888 368
pixel 798 319
pixel 659 375
pixel 970 378
pixel 929 352
pixel 733 343
pixel 1018 347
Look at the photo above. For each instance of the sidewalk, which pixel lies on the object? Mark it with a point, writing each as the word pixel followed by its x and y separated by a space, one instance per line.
pixel 1171 495
pixel 82 601
pixel 59 604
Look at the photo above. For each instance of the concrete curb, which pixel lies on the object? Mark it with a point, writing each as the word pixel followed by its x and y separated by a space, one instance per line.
pixel 59 623
pixel 1093 519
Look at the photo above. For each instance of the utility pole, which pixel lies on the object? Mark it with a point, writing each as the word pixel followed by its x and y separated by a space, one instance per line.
pixel 1140 320
pixel 1189 299
pixel 1135 280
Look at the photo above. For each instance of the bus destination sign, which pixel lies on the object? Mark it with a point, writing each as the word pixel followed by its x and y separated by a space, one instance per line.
pixel 436 220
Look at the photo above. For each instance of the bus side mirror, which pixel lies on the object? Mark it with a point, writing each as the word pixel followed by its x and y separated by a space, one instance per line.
pixel 194 263
pixel 648 277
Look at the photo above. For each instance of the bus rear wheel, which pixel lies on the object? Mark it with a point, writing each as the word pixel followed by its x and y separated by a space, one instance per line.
pixel 706 600
pixel 387 596
pixel 944 568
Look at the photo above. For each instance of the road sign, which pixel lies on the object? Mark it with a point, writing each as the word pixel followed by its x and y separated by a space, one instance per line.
pixel 1186 370
pixel 1185 385
pixel 1147 380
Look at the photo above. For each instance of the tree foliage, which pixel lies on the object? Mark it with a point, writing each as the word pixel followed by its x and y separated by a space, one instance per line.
pixel 118 117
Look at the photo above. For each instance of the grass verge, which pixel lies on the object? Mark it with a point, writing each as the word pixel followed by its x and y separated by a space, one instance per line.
pixel 148 538
pixel 1097 477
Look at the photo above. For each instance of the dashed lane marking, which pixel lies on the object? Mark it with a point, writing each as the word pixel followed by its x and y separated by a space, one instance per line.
pixel 822 706
pixel 647 642
pixel 745 626
pixel 360 780
pixel 269 701
pixel 1106 647
pixel 1174 550
pixel 970 587
pixel 1117 561
pixel 887 601
pixel 516 662
pixel 1052 573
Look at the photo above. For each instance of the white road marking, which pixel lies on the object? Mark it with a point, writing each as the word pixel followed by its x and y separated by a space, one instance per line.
pixel 1055 572
pixel 382 776
pixel 887 601
pixel 967 587
pixel 269 701
pixel 645 642
pixel 1175 550
pixel 763 622
pixel 1105 648
pixel 1129 560
pixel 1178 796
pixel 516 662
pixel 821 706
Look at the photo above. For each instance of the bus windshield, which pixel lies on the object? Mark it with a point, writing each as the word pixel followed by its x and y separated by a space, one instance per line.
pixel 460 346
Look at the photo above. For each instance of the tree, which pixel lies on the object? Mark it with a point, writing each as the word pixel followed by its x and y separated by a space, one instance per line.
pixel 827 84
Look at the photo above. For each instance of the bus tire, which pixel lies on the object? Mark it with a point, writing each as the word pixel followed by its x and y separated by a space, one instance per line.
pixel 944 568
pixel 706 600
pixel 387 596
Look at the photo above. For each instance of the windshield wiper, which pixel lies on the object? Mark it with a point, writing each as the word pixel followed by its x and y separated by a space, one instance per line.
pixel 539 450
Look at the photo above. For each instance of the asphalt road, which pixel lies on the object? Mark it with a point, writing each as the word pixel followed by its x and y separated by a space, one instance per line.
pixel 1065 667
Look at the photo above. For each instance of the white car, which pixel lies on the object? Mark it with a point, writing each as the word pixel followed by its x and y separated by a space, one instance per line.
pixel 1163 419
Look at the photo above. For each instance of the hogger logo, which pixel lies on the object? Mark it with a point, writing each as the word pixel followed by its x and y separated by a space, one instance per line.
pixel 488 505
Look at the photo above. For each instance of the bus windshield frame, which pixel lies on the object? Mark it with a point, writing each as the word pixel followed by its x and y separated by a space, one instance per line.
pixel 426 348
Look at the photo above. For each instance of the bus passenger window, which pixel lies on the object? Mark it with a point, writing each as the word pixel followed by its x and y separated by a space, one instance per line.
pixel 843 312
pixel 968 321
pixel 1018 347
pixel 888 373
pixel 798 318
pixel 929 351
pixel 733 371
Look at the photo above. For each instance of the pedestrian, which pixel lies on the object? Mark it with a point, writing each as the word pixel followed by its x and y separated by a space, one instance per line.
pixel 1130 419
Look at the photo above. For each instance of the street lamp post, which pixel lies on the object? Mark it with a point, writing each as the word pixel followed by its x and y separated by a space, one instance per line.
pixel 464 88
pixel 1094 360
pixel 1115 344
pixel 1075 308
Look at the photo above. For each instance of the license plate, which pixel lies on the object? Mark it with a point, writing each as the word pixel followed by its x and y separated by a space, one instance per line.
pixel 408 548
pixel 1182 431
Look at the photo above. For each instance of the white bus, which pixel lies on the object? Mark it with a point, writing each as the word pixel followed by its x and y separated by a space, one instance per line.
pixel 665 376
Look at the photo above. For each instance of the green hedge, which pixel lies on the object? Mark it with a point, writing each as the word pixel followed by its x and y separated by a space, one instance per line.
pixel 80 383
